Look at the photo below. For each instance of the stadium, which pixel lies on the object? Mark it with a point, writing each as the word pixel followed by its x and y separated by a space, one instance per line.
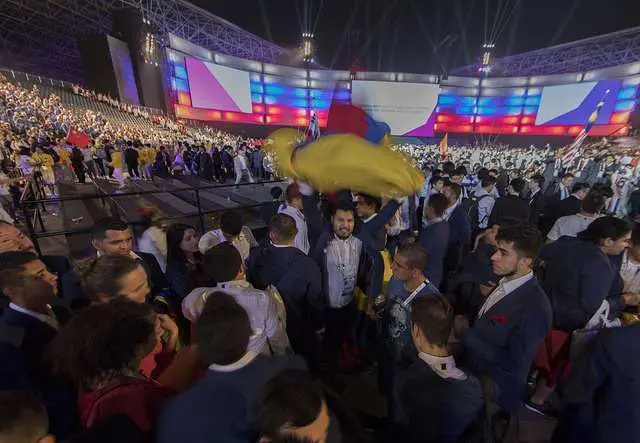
pixel 209 236
pixel 172 54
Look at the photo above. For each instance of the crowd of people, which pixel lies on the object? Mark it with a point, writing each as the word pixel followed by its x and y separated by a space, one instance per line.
pixel 35 124
pixel 453 300
pixel 510 280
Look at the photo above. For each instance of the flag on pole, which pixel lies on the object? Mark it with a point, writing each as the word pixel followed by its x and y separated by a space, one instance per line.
pixel 444 146
pixel 573 150
pixel 78 138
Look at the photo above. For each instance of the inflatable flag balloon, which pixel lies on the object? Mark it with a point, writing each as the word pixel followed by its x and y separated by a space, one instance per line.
pixel 345 161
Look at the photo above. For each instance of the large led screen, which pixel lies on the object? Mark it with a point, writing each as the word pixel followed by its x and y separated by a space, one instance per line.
pixel 218 87
pixel 408 108
pixel 573 104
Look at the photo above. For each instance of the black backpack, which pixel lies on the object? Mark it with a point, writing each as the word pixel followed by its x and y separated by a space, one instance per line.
pixel 470 206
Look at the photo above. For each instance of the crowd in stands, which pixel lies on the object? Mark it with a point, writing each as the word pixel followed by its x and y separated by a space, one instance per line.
pixel 509 280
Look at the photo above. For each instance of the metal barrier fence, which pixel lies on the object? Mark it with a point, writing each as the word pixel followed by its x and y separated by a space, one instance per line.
pixel 33 205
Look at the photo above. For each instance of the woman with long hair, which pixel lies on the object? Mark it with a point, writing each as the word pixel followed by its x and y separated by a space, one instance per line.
pixel 184 260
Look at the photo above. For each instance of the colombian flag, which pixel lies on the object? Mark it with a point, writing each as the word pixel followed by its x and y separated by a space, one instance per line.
pixel 351 155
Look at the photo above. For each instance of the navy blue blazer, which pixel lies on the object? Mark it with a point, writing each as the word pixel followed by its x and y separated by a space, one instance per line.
pixel 299 281
pixel 459 228
pixel 503 342
pixel 375 228
pixel 371 267
pixel 430 409
pixel 601 396
pixel 218 407
pixel 435 239
pixel 578 276
pixel 30 335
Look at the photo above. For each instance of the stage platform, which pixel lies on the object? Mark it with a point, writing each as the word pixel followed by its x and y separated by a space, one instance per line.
pixel 174 198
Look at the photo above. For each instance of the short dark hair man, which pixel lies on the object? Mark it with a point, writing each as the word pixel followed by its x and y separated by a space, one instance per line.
pixel 513 320
pixel 220 402
pixel 23 419
pixel 292 405
pixel 298 280
pixel 113 236
pixel 435 237
pixel 434 400
pixel 33 313
pixel 224 269
pixel 512 205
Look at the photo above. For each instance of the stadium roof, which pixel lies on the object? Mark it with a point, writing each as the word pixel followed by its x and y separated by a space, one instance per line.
pixel 39 36
pixel 617 48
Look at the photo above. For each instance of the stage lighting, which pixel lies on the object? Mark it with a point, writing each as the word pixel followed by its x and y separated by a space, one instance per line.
pixel 485 65
pixel 308 46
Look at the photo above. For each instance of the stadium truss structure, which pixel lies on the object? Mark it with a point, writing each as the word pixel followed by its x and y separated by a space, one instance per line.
pixel 599 52
pixel 39 36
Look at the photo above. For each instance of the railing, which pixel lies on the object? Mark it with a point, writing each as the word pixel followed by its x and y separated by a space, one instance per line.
pixel 33 205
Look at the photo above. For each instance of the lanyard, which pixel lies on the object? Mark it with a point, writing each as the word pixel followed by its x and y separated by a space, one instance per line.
pixel 415 292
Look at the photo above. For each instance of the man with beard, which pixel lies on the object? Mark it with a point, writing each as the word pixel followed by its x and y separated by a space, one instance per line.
pixel 513 320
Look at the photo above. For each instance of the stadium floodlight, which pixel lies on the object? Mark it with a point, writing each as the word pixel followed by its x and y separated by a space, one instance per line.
pixel 308 46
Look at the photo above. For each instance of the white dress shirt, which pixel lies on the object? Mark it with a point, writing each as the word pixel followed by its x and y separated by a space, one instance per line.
pixel 342 261
pixel 302 237
pixel 485 206
pixel 503 289
pixel 49 320
pixel 445 367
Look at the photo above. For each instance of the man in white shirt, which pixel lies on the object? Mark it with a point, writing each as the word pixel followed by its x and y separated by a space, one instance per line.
pixel 231 230
pixel 486 201
pixel 223 264
pixel 293 208
pixel 571 225
pixel 241 168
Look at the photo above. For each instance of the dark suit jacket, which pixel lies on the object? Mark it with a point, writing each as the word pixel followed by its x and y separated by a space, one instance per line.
pixel 578 276
pixel 503 342
pixel 536 208
pixel 371 268
pixel 30 335
pixel 299 281
pixel 556 208
pixel 459 241
pixel 476 269
pixel 568 206
pixel 509 206
pixel 600 396
pixel 74 296
pixel 218 407
pixel 435 239
pixel 459 229
pixel 375 227
pixel 23 340
pixel 429 408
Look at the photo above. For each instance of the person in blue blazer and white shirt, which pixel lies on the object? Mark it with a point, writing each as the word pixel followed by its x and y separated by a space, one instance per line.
pixel 515 317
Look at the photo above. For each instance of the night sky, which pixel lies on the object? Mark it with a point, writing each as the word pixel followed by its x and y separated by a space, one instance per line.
pixel 400 35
